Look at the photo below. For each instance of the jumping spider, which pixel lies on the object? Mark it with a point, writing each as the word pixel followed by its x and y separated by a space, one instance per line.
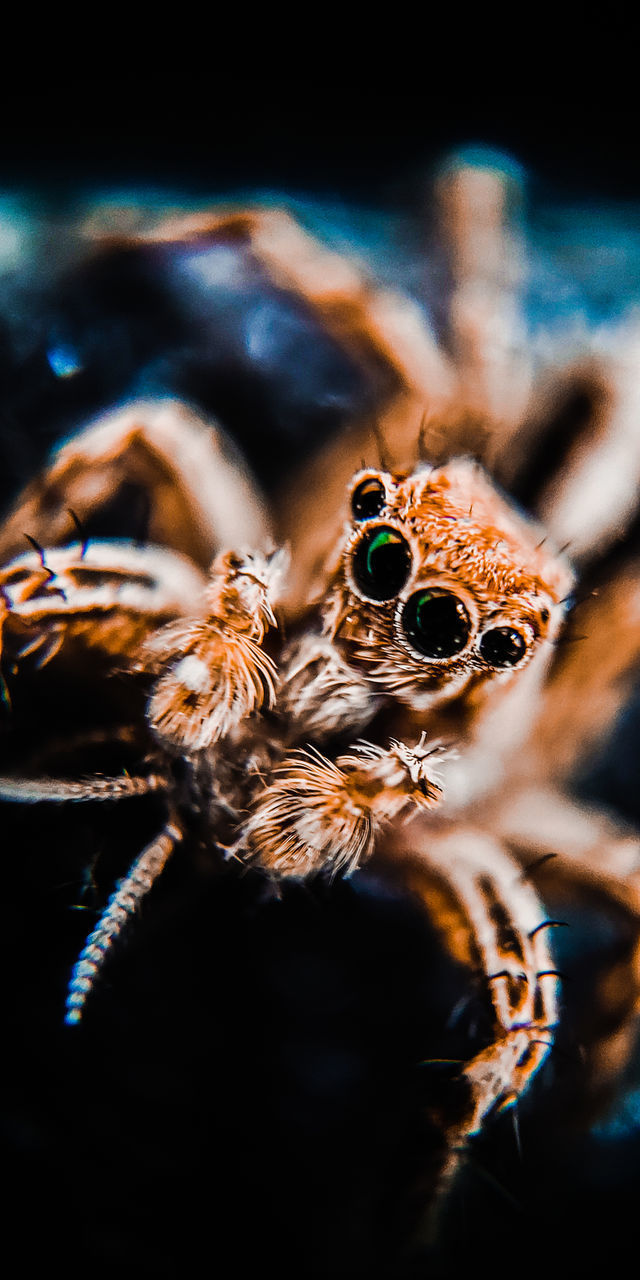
pixel 436 593
pixel 306 712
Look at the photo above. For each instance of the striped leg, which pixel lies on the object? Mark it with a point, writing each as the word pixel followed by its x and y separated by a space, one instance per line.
pixel 107 596
pixel 582 846
pixel 507 930
pixel 121 907
pixel 60 791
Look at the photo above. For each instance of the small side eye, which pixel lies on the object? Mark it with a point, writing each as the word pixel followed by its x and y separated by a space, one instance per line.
pixel 436 623
pixel 368 499
pixel 503 646
pixel 382 563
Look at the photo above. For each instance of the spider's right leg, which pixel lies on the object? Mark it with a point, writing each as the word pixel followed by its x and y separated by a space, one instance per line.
pixel 197 494
pixel 593 675
pixel 132 888
pixel 121 907
pixel 104 596
pixel 60 790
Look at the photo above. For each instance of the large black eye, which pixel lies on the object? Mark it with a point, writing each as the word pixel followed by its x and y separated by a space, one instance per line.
pixel 368 499
pixel 436 623
pixel 502 646
pixel 382 563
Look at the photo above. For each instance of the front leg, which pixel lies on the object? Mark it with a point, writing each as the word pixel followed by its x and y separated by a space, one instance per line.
pixel 585 848
pixel 483 902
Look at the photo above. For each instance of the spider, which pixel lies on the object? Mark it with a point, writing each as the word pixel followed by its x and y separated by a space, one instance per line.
pixel 300 717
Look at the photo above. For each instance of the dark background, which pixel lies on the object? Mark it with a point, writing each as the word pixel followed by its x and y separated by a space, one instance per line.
pixel 317 132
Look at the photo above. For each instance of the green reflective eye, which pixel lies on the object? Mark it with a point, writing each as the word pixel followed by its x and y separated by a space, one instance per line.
pixel 382 563
pixel 436 623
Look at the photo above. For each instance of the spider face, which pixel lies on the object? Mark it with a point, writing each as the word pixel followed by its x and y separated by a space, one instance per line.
pixel 443 586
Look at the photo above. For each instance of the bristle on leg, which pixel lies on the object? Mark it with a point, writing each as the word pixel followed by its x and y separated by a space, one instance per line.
pixel 213 672
pixel 319 813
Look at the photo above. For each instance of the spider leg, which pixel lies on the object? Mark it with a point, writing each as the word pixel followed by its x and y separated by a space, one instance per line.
pixel 121 907
pixel 60 791
pixel 484 255
pixel 581 845
pixel 200 496
pixel 587 497
pixel 502 915
pixel 107 595
pixel 587 844
pixel 594 670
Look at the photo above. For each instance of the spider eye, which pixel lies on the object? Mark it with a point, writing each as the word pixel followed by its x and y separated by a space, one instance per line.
pixel 368 499
pixel 436 623
pixel 502 646
pixel 382 563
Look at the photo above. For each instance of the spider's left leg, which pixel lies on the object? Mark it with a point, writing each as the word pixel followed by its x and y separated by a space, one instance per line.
pixel 584 848
pixel 505 929
pixel 212 673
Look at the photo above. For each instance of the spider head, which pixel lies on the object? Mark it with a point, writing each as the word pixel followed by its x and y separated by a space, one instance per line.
pixel 442 585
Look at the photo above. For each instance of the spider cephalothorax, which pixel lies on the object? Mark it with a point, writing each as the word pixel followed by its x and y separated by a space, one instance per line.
pixel 440 586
